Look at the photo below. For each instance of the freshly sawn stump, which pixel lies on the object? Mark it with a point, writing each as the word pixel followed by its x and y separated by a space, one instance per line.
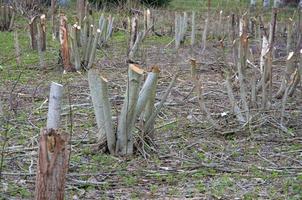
pixel 53 152
pixel 138 104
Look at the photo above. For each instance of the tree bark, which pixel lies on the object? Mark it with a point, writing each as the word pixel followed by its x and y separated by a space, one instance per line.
pixel 150 122
pixel 53 158
pixel 52 165
pixel 241 65
pixel 235 107
pixel 33 32
pixel 124 144
pixel 17 47
pixel 53 11
pixel 64 44
pixel 54 106
pixel 93 48
pixel 81 9
pixel 266 3
pixel 289 64
pixel 97 101
pixel 74 44
pixel 193 29
pixel 102 108
pixel 7 17
pixel 43 32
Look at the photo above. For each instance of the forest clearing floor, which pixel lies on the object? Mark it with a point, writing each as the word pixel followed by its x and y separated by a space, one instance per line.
pixel 188 159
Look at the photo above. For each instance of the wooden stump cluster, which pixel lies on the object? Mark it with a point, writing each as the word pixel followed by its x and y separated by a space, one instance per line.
pixel 37 32
pixel 137 36
pixel 7 17
pixel 181 25
pixel 138 104
pixel 79 43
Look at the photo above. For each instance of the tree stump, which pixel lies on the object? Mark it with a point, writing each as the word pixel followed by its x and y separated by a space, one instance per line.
pixel 52 165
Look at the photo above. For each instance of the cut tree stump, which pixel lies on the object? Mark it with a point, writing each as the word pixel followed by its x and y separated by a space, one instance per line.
pixel 53 152
pixel 68 67
pixel 139 104
pixel 7 17
pixel 124 145
pixel 36 38
pixel 33 32
pixel 52 165
pixel 43 32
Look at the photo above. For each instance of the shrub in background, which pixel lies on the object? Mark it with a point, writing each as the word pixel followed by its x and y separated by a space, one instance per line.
pixel 112 3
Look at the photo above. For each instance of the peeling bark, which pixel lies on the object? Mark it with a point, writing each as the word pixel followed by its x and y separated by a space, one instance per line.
pixel 52 165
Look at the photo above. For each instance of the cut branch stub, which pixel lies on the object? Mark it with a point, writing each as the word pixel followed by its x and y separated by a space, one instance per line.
pixel 241 65
pixel 88 46
pixel 95 88
pixel 124 144
pixel 93 48
pixel 149 109
pixel 7 17
pixel 33 32
pixel 102 108
pixel 54 106
pixel 43 32
pixel 64 44
pixel 150 122
pixel 75 46
pixel 133 32
pixel 149 84
pixel 147 21
pixel 1 109
pixel 235 107
pixel 193 29
pixel 38 40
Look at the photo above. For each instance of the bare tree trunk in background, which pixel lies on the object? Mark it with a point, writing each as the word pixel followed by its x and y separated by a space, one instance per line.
pixel 81 9
pixel 133 32
pixel 1 109
pixel 64 44
pixel 33 32
pixel 266 3
pixel 53 10
pixel 278 3
pixel 253 2
pixel 17 47
pixel 7 17
pixel 43 32
pixel 290 68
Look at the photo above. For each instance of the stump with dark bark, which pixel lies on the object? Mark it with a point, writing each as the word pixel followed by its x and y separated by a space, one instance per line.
pixel 52 165
pixel 65 52
pixel 7 17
